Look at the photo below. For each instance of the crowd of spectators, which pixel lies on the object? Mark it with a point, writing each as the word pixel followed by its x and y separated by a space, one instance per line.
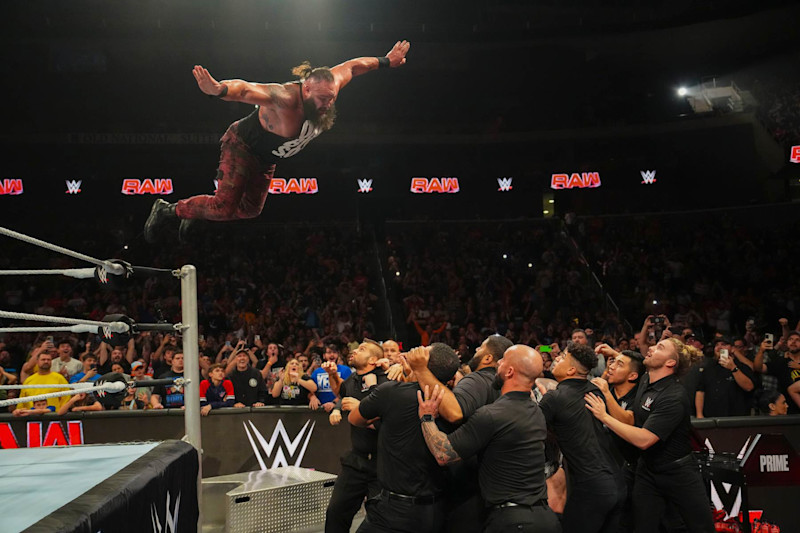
pixel 728 272
pixel 779 107
pixel 461 282
pixel 282 307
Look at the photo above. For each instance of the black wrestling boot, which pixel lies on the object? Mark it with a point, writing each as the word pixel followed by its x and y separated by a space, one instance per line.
pixel 160 213
pixel 185 230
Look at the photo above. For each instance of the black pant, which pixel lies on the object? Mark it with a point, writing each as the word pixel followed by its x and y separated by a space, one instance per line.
pixel 390 515
pixel 536 519
pixel 680 485
pixel 357 481
pixel 594 505
pixel 626 516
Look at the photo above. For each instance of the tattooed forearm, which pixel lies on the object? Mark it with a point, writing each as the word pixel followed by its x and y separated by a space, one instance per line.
pixel 439 444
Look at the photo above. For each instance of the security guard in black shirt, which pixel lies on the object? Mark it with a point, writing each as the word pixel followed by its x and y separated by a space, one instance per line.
pixel 508 437
pixel 624 371
pixel 476 389
pixel 412 483
pixel 358 478
pixel 595 487
pixel 665 472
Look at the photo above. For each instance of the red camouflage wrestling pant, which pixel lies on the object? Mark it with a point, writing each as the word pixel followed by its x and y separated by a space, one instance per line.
pixel 243 184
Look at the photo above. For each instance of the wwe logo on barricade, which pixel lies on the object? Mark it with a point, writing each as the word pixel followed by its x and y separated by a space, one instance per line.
pixel 171 518
pixel 364 185
pixel 504 184
pixel 279 432
pixel 73 186
pixel 648 177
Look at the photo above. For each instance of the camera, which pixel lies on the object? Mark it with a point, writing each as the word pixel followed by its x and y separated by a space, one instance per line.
pixel 658 320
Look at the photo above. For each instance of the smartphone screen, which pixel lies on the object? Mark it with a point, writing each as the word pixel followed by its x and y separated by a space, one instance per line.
pixel 545 349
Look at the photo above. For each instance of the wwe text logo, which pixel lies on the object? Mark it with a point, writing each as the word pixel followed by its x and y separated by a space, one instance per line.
pixel 504 184
pixel 364 185
pixel 279 459
pixel 795 156
pixel 73 186
pixel 648 177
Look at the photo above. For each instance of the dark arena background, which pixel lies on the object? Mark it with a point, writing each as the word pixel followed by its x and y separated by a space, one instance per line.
pixel 534 168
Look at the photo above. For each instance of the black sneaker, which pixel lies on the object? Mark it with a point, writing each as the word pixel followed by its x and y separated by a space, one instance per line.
pixel 161 212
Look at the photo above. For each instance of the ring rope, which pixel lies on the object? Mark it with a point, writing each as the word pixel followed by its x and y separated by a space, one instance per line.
pixel 83 385
pixel 116 327
pixel 78 328
pixel 111 267
pixel 112 386
pixel 79 273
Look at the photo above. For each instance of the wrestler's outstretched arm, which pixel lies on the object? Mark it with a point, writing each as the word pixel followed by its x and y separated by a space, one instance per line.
pixel 344 72
pixel 240 90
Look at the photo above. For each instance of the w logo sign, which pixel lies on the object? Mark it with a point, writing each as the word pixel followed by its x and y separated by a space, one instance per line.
pixel 268 446
pixel 648 177
pixel 364 185
pixel 73 186
pixel 504 184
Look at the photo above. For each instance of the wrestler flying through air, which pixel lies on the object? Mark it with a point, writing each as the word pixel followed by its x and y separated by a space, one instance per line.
pixel 288 117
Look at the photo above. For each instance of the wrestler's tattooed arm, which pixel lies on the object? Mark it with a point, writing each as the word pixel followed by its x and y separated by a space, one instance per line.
pixel 439 444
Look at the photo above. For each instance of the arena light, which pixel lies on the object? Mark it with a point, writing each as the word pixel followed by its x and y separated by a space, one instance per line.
pixel 683 91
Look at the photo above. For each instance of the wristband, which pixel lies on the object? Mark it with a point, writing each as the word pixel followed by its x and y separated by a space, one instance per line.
pixel 426 418
pixel 383 62
pixel 734 370
pixel 223 93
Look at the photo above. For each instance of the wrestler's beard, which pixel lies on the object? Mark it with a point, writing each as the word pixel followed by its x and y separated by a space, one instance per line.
pixel 323 122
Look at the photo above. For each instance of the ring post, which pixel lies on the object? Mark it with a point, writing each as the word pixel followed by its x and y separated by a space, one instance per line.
pixel 191 356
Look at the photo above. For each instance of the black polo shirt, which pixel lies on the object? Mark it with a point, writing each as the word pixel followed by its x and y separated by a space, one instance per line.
pixel 365 440
pixel 663 409
pixel 584 441
pixel 405 465
pixel 629 452
pixel 508 437
pixel 723 396
pixel 476 390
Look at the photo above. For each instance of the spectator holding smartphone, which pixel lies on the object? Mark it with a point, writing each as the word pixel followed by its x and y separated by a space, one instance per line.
pixel 786 369
pixel 724 388
pixel 89 372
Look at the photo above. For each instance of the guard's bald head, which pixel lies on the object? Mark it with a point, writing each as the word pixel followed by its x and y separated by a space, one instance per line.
pixel 526 361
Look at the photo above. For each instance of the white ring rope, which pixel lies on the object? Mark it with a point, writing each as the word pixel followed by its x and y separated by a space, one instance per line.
pixel 78 273
pixel 111 267
pixel 78 328
pixel 111 386
pixel 116 327
pixel 83 385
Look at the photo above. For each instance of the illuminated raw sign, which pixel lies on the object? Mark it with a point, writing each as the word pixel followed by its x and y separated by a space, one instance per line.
pixel 132 186
pixel 434 185
pixel 73 186
pixel 293 186
pixel 795 157
pixel 11 186
pixel 584 180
